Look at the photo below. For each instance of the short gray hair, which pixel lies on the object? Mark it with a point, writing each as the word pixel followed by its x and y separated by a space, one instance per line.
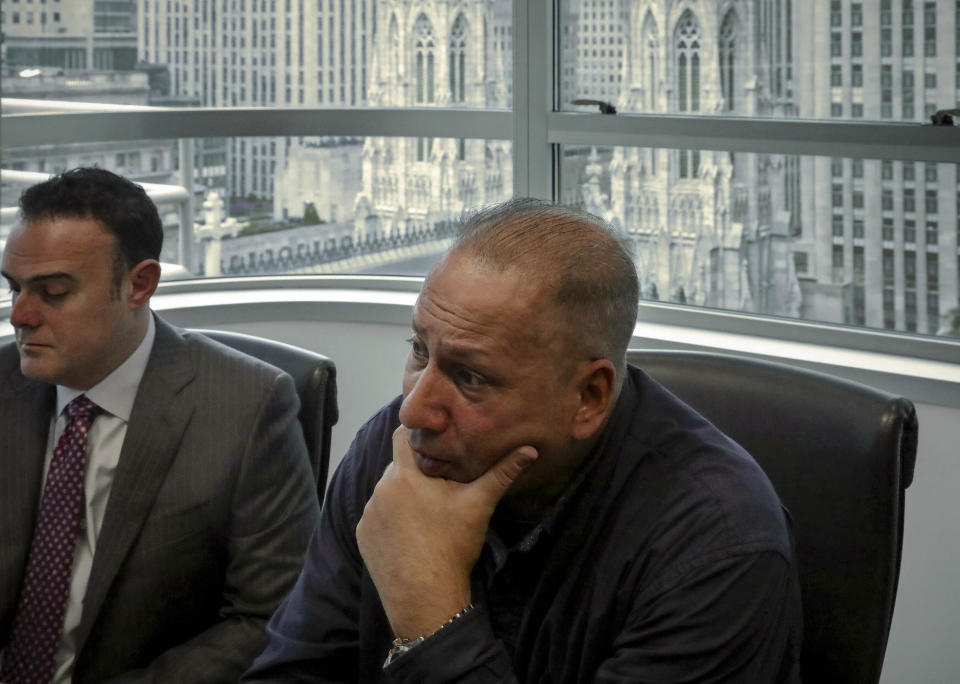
pixel 586 262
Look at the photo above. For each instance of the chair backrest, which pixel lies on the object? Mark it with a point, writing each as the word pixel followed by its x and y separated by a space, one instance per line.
pixel 315 377
pixel 840 456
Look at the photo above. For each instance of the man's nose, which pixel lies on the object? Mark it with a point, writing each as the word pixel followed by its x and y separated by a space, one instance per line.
pixel 24 314
pixel 424 405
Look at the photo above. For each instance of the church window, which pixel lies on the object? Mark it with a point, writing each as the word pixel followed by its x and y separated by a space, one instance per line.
pixel 645 54
pixel 688 63
pixel 688 83
pixel 424 51
pixel 424 149
pixel 458 60
pixel 728 37
pixel 394 46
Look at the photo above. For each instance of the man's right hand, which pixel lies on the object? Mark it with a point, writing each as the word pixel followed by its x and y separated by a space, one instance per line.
pixel 420 536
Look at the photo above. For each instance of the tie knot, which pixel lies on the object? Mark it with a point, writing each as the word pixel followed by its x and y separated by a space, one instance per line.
pixel 82 409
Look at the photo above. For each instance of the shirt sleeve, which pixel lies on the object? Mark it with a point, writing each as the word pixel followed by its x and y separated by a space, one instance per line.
pixel 322 631
pixel 465 651
pixel 729 620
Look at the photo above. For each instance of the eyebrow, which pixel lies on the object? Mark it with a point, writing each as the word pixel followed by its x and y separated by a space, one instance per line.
pixel 58 275
pixel 458 351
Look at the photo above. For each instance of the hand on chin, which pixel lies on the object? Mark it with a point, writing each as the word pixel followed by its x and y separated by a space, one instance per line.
pixel 422 530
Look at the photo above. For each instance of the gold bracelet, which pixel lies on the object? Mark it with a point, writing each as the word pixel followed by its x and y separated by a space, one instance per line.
pixel 401 645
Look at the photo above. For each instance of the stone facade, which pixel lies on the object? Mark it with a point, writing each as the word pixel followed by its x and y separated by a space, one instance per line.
pixel 708 227
pixel 437 53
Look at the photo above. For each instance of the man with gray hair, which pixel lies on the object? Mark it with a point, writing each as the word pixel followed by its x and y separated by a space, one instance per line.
pixel 532 508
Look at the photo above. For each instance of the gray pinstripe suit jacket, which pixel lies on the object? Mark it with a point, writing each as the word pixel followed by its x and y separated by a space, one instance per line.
pixel 210 511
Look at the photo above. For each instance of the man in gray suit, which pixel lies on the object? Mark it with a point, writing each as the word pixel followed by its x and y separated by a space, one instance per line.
pixel 148 534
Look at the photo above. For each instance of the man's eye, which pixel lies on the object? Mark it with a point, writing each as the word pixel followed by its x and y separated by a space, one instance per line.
pixel 416 346
pixel 467 378
pixel 53 295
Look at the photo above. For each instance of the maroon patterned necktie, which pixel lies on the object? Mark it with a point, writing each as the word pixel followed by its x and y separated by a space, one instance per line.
pixel 37 627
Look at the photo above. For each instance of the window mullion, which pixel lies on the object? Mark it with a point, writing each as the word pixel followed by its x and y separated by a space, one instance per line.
pixel 867 140
pixel 532 98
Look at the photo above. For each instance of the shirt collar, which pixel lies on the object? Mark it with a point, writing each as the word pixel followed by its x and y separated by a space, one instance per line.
pixel 612 432
pixel 500 550
pixel 116 392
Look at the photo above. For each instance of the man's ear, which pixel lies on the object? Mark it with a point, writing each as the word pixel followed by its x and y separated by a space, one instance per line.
pixel 597 386
pixel 142 282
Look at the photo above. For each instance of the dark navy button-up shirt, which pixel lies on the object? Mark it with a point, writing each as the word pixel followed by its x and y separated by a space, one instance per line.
pixel 667 559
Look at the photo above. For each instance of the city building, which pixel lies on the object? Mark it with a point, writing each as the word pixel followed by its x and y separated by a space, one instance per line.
pixel 709 227
pixel 339 56
pixel 323 174
pixel 593 40
pixel 260 53
pixel 70 35
pixel 865 241
pixel 148 161
pixel 879 246
pixel 436 53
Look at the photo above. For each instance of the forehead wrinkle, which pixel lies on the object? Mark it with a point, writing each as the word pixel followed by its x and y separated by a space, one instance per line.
pixel 471 331
pixel 464 324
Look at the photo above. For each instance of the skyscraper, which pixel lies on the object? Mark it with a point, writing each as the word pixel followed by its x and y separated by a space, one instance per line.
pixel 881 236
pixel 260 53
pixel 338 53
pixel 597 44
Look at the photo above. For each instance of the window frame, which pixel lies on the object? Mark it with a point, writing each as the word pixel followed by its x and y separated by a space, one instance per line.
pixel 540 128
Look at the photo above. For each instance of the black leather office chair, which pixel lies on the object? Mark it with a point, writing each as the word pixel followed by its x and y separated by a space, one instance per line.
pixel 316 379
pixel 840 455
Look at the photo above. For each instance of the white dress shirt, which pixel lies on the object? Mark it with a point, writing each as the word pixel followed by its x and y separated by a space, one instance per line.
pixel 115 395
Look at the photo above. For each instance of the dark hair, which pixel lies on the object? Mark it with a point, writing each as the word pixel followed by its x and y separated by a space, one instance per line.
pixel 121 206
pixel 585 261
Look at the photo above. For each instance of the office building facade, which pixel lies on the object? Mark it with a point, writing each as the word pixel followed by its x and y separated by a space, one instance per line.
pixel 69 35
pixel 260 53
pixel 880 245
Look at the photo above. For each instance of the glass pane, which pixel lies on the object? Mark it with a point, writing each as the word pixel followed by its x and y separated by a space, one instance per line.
pixel 152 163
pixel 852 241
pixel 776 58
pixel 295 205
pixel 269 53
pixel 310 53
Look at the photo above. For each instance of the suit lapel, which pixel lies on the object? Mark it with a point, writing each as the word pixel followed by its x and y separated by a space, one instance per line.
pixel 25 410
pixel 158 421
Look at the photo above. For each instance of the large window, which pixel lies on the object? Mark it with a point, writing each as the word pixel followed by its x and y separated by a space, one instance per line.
pixel 318 55
pixel 767 156
pixel 726 228
pixel 729 244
